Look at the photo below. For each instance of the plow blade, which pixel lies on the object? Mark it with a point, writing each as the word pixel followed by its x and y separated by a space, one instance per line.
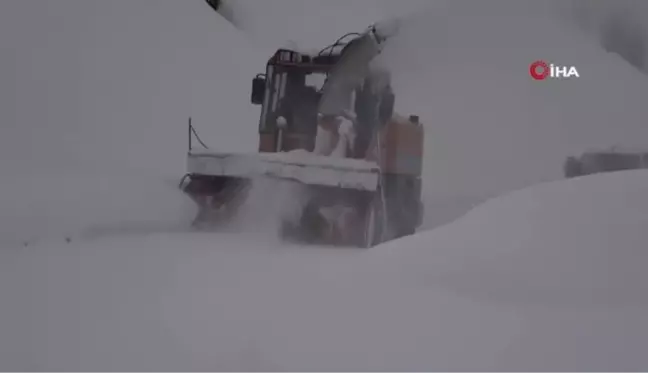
pixel 343 195
pixel 302 167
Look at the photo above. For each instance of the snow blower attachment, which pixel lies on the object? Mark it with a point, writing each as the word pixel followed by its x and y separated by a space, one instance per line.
pixel 326 123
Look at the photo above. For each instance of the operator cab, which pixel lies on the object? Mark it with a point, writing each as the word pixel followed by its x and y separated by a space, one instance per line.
pixel 292 88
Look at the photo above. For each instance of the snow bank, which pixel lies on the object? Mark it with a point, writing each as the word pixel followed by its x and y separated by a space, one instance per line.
pixel 117 84
pixel 579 242
pixel 62 206
pixel 547 278
pixel 94 113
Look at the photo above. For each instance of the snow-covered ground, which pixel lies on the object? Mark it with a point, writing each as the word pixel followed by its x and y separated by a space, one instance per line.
pixel 549 278
pixel 56 206
pixel 95 102
pixel 93 111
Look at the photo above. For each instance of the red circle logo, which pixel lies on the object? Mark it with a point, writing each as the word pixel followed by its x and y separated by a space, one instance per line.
pixel 539 70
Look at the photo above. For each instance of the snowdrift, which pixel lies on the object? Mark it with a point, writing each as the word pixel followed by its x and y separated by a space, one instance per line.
pixel 548 278
pixel 579 242
pixel 66 206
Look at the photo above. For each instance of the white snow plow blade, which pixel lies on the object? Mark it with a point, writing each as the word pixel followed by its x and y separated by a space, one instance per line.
pixel 299 166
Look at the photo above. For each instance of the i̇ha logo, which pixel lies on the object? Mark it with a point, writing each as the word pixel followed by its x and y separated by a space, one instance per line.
pixel 541 70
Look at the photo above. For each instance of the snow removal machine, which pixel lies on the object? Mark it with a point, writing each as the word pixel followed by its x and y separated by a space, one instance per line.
pixel 327 124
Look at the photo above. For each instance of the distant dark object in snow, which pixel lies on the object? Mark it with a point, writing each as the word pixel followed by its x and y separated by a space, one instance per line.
pixel 215 4
pixel 604 161
pixel 223 8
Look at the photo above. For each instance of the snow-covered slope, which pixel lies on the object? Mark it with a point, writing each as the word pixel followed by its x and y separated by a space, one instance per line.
pixel 578 243
pixel 92 138
pixel 549 278
pixel 95 102
pixel 104 83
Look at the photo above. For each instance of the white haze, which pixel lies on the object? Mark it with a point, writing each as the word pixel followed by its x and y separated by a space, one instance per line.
pixel 83 97
pixel 94 101
pixel 489 127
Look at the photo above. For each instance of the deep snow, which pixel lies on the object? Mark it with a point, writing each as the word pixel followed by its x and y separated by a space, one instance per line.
pixel 94 106
pixel 94 109
pixel 549 278
pixel 62 205
pixel 578 243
